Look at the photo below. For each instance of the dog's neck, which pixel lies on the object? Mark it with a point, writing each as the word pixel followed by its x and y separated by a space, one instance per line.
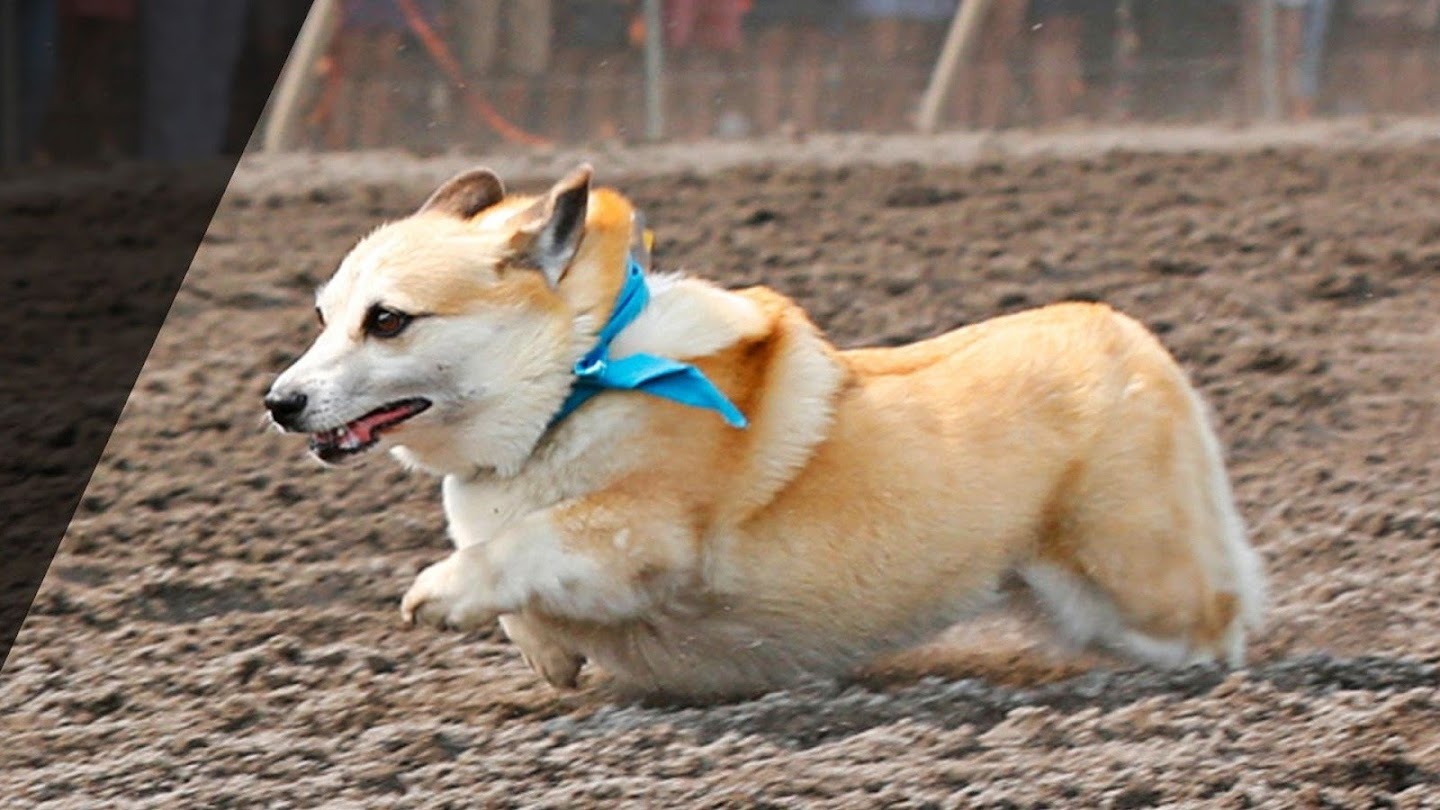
pixel 598 370
pixel 685 319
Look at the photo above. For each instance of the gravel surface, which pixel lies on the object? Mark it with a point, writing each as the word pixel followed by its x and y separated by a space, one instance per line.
pixel 220 627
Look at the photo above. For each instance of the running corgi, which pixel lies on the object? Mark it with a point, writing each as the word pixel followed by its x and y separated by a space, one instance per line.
pixel 690 488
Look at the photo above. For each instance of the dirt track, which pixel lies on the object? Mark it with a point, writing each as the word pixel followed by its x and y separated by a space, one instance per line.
pixel 220 627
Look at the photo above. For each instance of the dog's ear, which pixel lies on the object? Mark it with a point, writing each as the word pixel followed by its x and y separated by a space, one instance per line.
pixel 550 230
pixel 466 194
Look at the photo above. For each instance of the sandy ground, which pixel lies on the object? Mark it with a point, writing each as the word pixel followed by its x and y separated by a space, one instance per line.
pixel 220 626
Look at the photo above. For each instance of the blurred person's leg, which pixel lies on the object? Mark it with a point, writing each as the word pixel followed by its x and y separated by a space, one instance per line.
pixel 224 38
pixel 1289 42
pixel 342 90
pixel 591 62
pixel 527 56
pixel 706 37
pixel 886 36
pixel 605 105
pixel 275 25
pixel 999 37
pixel 685 65
pixel 569 59
pixel 631 92
pixel 965 91
pixel 1375 77
pixel 1312 58
pixel 1125 63
pixel 723 35
pixel 698 68
pixel 375 31
pixel 920 40
pixel 1344 69
pixel 1381 29
pixel 808 87
pixel 922 30
pixel 190 49
pixel 900 54
pixel 1421 59
pixel 477 34
pixel 377 68
pixel 39 25
pixel 93 36
pixel 569 85
pixel 272 27
pixel 477 38
pixel 1413 80
pixel 836 51
pixel 1290 58
pixel 1251 78
pixel 788 51
pixel 1058 79
pixel 1405 83
pixel 771 46
pixel 875 42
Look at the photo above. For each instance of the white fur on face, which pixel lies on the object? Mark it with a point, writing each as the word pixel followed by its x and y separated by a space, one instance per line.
pixel 498 378
pixel 491 372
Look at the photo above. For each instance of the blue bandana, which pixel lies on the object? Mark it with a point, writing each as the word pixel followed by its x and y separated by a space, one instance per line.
pixel 657 376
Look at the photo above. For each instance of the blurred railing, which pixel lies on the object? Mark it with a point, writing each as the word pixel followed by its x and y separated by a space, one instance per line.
pixel 401 87
pixel 426 113
pixel 1203 67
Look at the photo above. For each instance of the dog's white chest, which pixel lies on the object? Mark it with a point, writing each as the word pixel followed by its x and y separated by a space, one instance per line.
pixel 478 511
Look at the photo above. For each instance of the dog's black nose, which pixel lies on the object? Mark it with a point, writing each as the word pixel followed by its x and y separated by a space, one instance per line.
pixel 285 407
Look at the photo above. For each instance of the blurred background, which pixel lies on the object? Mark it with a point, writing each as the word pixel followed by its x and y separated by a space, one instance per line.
pixel 81 77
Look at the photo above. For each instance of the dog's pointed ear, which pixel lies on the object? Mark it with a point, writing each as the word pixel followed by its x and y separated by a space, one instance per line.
pixel 466 194
pixel 551 229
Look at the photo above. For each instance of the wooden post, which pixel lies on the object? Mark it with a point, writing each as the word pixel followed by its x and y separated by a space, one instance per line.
pixel 654 71
pixel 958 44
pixel 284 109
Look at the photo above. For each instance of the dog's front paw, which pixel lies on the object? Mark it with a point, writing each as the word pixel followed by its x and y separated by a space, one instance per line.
pixel 447 594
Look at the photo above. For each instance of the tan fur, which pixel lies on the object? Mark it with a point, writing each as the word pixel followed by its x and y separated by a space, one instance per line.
pixel 877 496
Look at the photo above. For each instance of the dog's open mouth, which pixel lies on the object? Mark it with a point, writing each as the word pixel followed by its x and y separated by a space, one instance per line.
pixel 360 435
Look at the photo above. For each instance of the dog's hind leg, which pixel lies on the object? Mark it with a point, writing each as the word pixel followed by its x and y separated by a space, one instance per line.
pixel 557 665
pixel 1144 552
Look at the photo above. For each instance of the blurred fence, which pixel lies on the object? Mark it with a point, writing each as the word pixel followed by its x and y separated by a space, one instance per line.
pixel 789 72
pixel 377 79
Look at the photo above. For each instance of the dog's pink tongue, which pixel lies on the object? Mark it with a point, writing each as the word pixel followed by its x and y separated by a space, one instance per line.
pixel 357 434
pixel 362 430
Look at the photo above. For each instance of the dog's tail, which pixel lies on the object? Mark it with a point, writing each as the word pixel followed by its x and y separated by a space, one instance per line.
pixel 1242 566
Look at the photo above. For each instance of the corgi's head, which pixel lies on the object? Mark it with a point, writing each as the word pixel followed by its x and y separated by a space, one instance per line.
pixel 450 335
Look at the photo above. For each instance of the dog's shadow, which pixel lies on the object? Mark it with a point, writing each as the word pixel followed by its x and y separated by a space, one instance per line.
pixel 1004 651
pixel 973 679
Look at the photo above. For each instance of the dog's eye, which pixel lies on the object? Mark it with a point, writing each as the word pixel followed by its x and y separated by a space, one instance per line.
pixel 383 322
pixel 320 316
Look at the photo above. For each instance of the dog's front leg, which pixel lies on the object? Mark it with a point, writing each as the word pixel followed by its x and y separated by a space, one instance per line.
pixel 582 560
pixel 453 592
